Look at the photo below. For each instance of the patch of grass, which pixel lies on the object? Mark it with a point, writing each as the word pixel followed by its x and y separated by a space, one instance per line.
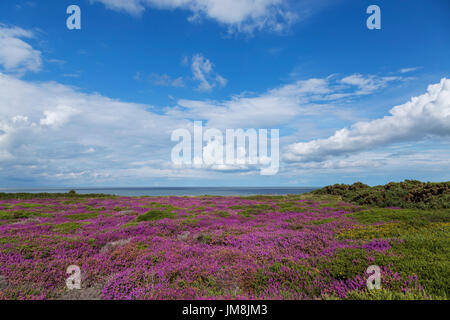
pixel 156 215
pixel 6 215
pixel 6 240
pixel 384 294
pixel 82 216
pixel 423 248
pixel 74 201
pixel 426 255
pixel 68 227
pixel 413 217
pixel 21 214
pixel 132 223
pixel 347 263
pixel 93 243
pixel 91 208
pixel 190 220
pixel 157 205
pixel 222 214
pixel 141 245
pixel 292 207
pixel 250 210
pixel 283 271
pixel 322 221
pixel 29 205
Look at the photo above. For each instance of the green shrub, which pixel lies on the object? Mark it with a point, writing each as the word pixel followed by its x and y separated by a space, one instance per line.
pixel 406 194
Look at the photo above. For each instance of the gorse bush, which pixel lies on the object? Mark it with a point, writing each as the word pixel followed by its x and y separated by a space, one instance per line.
pixel 407 194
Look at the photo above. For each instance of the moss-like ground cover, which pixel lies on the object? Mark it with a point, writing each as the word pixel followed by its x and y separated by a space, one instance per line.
pixel 312 246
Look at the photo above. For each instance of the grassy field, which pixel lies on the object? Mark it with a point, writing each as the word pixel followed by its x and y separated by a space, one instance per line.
pixel 311 246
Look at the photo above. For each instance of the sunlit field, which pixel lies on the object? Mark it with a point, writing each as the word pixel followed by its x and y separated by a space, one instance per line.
pixel 261 247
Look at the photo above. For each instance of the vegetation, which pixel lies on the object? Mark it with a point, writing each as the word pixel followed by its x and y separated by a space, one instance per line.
pixel 70 194
pixel 406 194
pixel 155 215
pixel 308 246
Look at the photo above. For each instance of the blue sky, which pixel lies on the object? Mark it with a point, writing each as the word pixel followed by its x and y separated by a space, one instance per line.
pixel 96 106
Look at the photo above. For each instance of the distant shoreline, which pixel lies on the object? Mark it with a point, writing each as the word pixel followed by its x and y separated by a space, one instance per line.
pixel 171 191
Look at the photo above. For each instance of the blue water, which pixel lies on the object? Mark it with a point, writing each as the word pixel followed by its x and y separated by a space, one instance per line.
pixel 176 191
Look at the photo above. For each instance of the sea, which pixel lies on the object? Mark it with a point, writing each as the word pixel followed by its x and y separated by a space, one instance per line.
pixel 174 191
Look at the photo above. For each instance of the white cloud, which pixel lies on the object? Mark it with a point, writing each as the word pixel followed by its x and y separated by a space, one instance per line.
pixel 422 116
pixel 202 70
pixel 238 15
pixel 56 128
pixel 72 75
pixel 16 55
pixel 406 70
pixel 166 80
pixel 130 6
pixel 276 107
pixel 429 163
pixel 52 132
pixel 340 164
pixel 57 117
pixel 368 84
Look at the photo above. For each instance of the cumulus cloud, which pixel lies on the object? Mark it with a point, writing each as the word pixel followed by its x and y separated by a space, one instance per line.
pixel 52 132
pixel 202 70
pixel 16 55
pixel 238 15
pixel 57 117
pixel 422 116
pixel 55 129
pixel 429 163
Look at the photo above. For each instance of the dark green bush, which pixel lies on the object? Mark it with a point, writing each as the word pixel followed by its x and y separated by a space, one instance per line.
pixel 406 194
